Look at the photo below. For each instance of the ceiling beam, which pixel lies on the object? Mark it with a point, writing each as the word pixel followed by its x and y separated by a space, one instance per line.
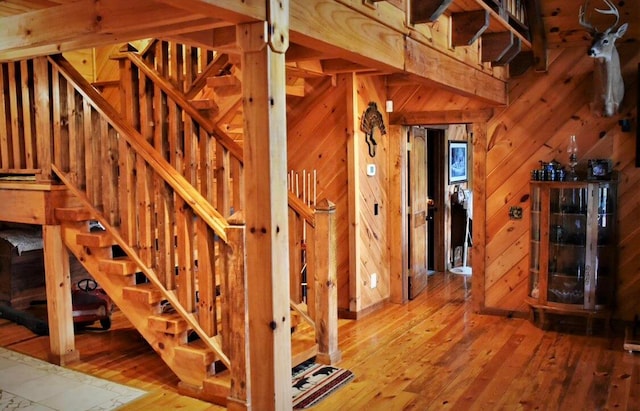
pixel 440 117
pixel 434 68
pixel 233 11
pixel 87 23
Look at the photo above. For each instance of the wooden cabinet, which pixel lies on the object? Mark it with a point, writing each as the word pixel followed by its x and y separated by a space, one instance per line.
pixel 572 250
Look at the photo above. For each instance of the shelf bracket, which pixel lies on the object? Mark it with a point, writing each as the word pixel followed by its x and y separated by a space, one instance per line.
pixel 427 11
pixel 467 27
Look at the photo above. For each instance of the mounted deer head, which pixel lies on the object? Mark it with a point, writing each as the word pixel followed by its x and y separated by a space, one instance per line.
pixel 609 83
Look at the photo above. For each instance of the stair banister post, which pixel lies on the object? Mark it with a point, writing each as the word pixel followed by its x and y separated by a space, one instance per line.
pixel 326 283
pixel 235 327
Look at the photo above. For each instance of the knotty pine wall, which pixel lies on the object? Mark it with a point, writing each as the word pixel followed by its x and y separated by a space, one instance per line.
pixel 317 139
pixel 322 125
pixel 372 256
pixel 544 110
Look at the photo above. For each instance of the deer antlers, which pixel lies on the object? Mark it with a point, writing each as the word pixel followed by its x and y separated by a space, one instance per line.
pixel 612 11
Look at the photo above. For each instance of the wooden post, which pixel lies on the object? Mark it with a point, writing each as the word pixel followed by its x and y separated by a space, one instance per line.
pixel 267 235
pixel 237 332
pixel 326 283
pixel 58 288
pixel 478 258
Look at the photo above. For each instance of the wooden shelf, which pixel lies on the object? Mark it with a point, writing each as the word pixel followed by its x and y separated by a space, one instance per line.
pixel 496 22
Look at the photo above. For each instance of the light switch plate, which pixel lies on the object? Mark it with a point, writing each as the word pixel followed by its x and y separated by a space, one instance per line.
pixel 371 170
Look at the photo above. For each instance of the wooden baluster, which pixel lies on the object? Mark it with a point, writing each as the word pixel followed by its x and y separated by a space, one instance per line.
pixel 223 179
pixel 326 283
pixel 206 169
pixel 237 331
pixel 207 309
pixel 310 258
pixel 237 174
pixel 14 136
pixel 166 244
pixel 184 232
pixel 295 256
pixel 110 176
pixel 43 120
pixel 29 137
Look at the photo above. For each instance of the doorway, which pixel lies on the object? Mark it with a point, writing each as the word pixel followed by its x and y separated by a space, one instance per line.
pixel 426 204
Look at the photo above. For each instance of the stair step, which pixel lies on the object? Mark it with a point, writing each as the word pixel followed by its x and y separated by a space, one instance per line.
pixel 204 104
pixel 215 389
pixel 145 293
pixel 196 353
pixel 119 266
pixel 168 323
pixel 95 239
pixel 222 81
pixel 72 214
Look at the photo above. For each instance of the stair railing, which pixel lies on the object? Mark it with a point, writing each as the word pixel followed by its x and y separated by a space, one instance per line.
pixel 181 63
pixel 151 211
pixel 189 141
pixel 136 74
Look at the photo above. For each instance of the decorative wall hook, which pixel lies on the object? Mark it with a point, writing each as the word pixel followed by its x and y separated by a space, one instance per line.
pixel 370 119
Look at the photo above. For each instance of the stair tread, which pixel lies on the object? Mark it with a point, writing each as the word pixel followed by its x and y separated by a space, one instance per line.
pixel 72 214
pixel 170 323
pixel 119 266
pixel 95 239
pixel 145 292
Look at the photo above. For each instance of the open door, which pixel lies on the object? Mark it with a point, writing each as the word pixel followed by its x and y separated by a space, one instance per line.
pixel 418 213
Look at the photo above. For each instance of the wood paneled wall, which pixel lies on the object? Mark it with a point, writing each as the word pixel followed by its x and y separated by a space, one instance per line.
pixel 372 257
pixel 319 137
pixel 545 109
pixel 317 140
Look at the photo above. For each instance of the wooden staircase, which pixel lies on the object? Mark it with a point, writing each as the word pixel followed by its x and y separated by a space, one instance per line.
pixel 164 184
pixel 167 333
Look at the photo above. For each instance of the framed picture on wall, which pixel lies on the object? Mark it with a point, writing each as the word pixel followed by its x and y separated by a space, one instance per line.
pixel 458 157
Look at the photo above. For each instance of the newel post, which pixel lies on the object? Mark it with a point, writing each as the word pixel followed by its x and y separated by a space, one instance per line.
pixel 326 283
pixel 236 312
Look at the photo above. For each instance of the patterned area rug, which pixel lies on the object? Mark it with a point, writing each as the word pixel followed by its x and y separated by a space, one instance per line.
pixel 313 382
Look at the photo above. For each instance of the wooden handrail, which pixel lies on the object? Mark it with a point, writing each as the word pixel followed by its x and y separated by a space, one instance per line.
pixel 178 183
pixel 302 209
pixel 177 96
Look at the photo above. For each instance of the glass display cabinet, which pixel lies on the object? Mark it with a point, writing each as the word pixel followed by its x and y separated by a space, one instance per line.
pixel 572 249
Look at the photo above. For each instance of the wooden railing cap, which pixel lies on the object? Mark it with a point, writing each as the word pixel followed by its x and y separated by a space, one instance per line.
pixel 325 205
pixel 236 218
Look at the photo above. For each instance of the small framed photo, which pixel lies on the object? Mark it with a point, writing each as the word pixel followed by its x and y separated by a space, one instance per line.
pixel 599 169
pixel 458 158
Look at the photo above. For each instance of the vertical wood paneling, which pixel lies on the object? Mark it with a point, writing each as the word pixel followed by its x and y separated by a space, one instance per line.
pixel 374 252
pixel 317 140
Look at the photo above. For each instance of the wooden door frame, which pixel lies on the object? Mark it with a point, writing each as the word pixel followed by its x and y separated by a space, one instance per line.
pixel 398 124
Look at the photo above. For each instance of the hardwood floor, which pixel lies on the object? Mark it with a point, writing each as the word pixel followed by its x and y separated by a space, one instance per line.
pixel 433 353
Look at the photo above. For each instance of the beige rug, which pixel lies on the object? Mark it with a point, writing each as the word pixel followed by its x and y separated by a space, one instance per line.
pixel 29 383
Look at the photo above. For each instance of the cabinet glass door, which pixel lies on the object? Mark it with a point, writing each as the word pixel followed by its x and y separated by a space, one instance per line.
pixel 604 261
pixel 567 245
pixel 534 251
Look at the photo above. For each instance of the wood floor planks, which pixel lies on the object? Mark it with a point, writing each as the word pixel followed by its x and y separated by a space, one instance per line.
pixel 433 353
